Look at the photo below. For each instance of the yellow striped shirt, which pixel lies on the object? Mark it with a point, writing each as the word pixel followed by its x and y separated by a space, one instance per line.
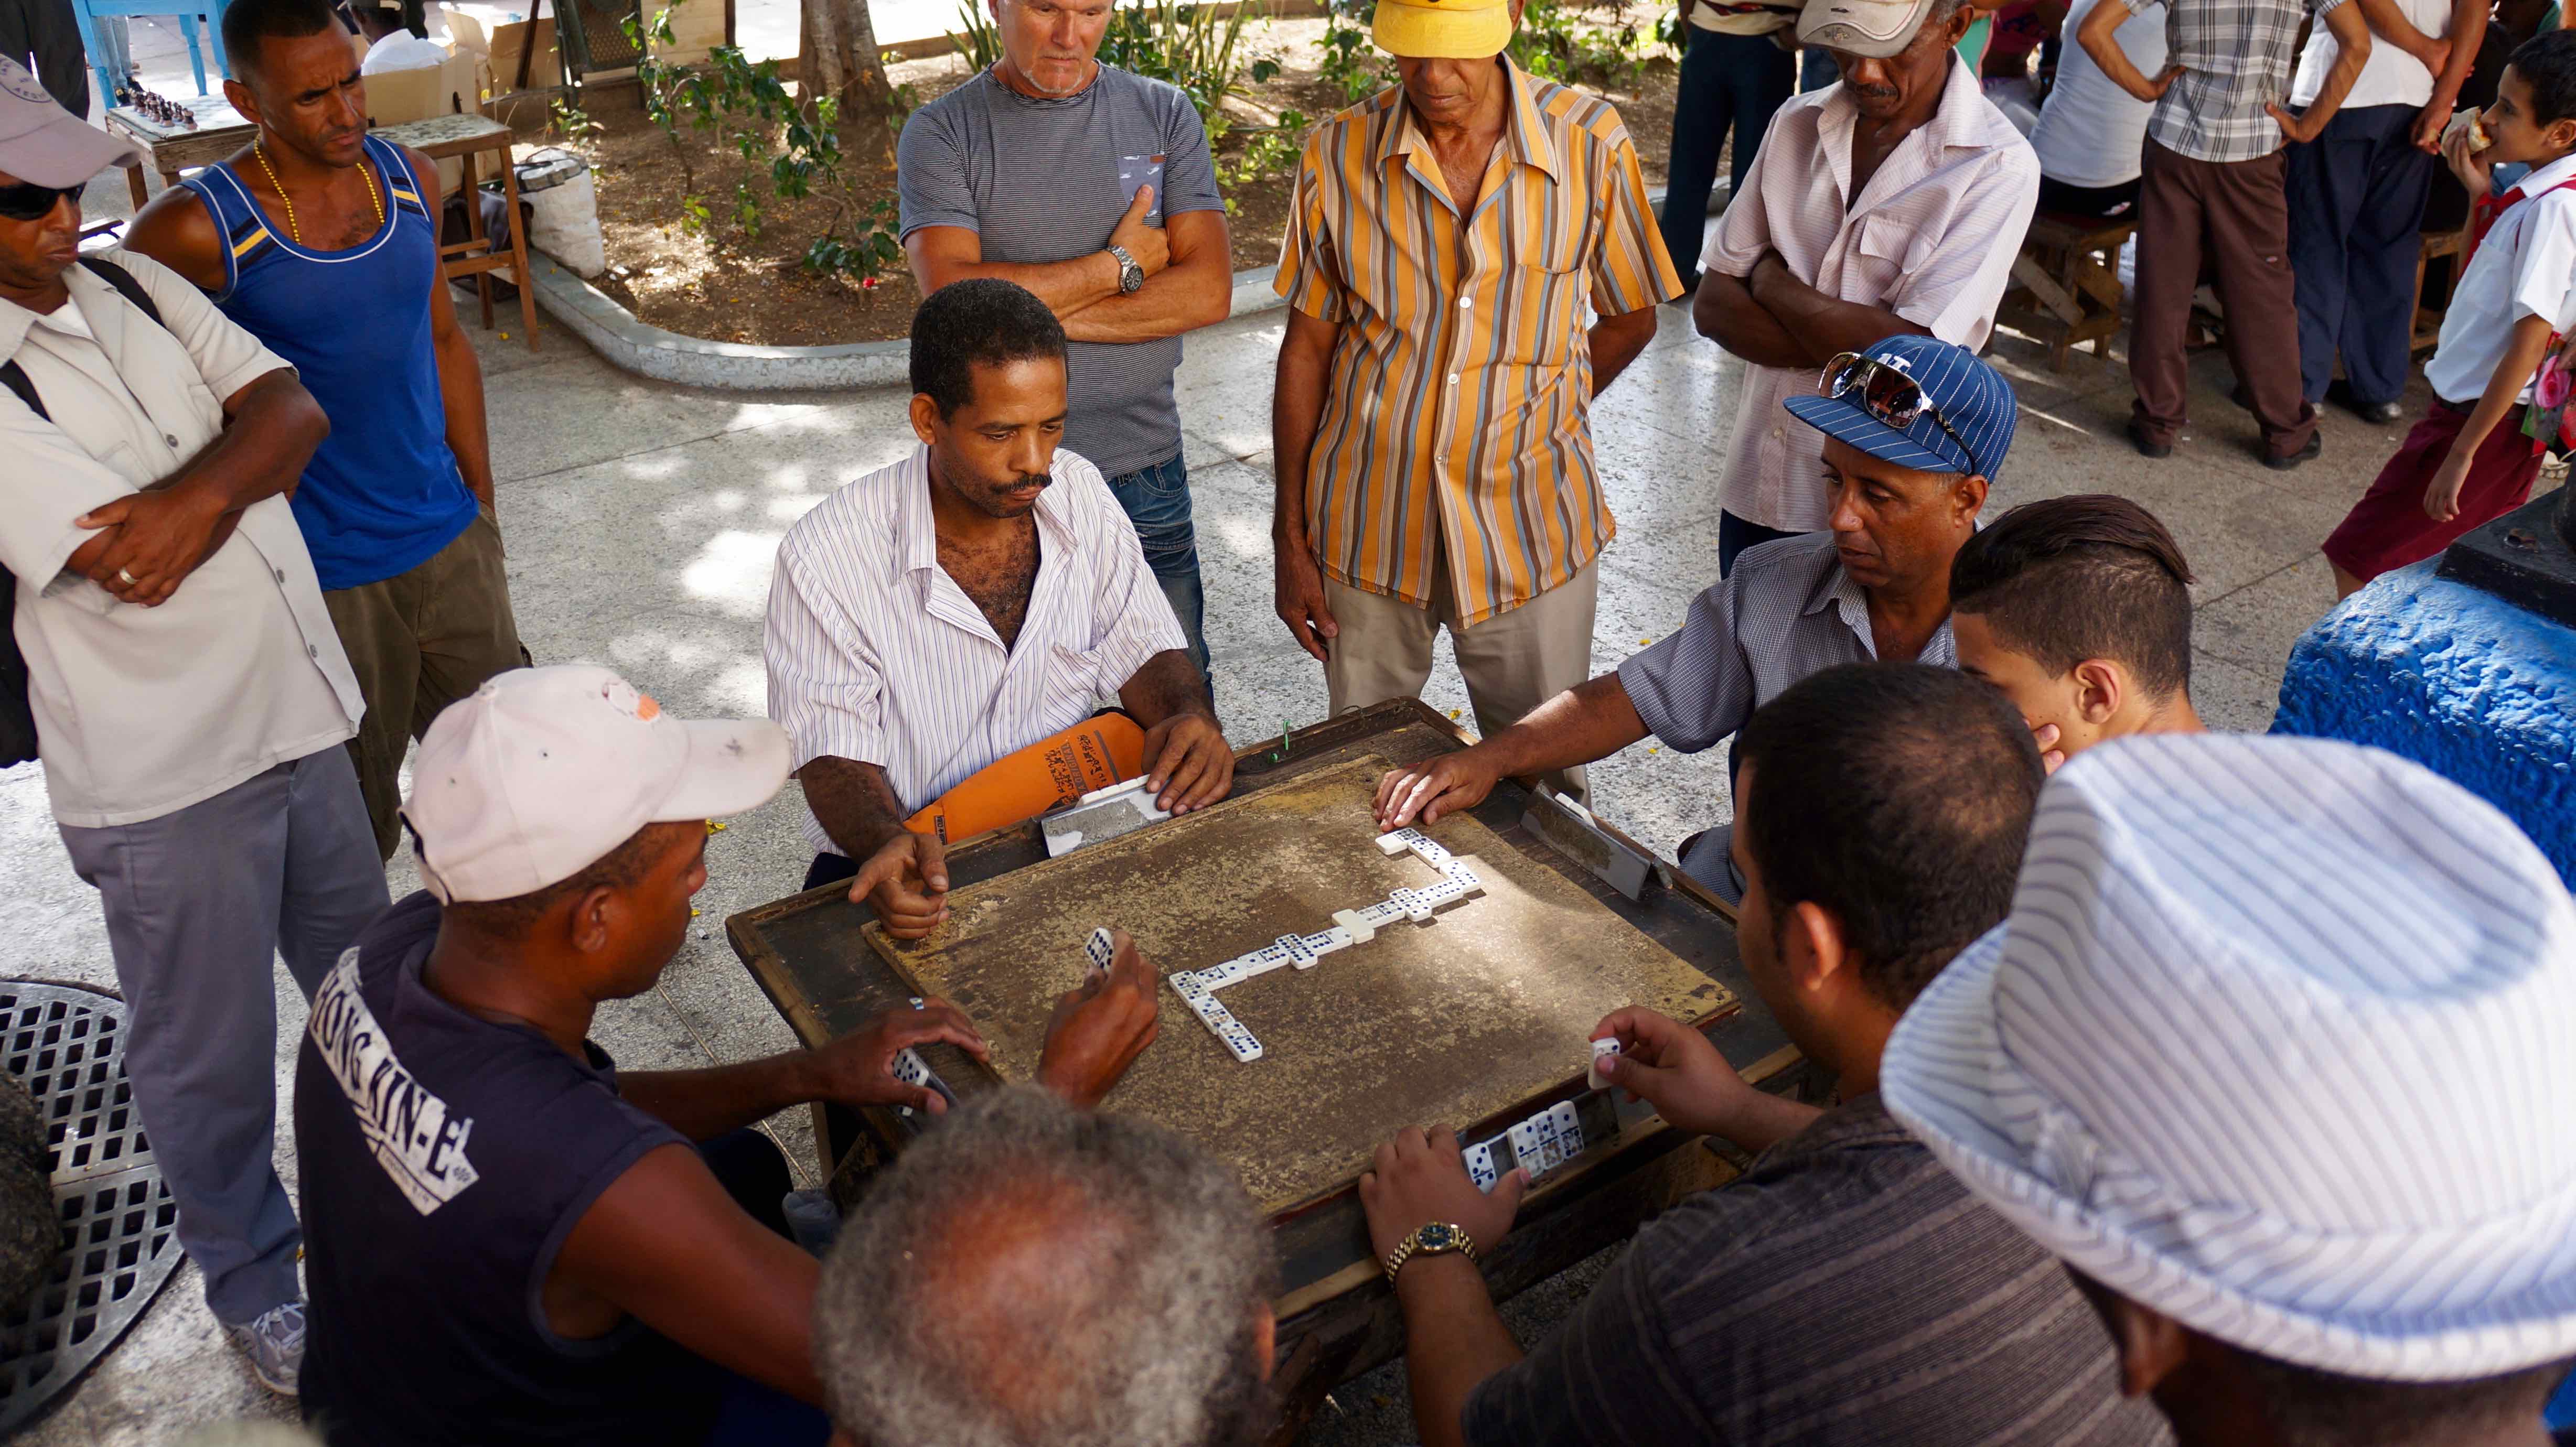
pixel 1459 392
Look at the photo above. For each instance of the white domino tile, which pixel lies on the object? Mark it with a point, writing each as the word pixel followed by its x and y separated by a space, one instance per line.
pixel 1601 1050
pixel 1569 1129
pixel 1480 1166
pixel 1350 927
pixel 1527 1145
pixel 1097 948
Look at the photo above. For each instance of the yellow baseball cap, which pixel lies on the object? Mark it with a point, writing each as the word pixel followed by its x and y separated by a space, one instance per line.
pixel 1442 29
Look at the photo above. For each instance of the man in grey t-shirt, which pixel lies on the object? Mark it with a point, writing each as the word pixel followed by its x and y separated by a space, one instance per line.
pixel 1094 189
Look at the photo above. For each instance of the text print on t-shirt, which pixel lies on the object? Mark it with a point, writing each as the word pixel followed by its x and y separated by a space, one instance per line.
pixel 409 1129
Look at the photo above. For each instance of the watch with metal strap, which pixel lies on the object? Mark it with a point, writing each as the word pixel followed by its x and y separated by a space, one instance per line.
pixel 1131 276
pixel 1436 1238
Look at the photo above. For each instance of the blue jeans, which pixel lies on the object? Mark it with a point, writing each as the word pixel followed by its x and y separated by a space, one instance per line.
pixel 1727 82
pixel 1157 500
pixel 2356 201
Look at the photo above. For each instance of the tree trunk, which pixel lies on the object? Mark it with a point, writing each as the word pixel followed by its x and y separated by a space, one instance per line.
pixel 839 43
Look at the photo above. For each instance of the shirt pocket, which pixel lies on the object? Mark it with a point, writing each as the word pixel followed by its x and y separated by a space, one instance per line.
pixel 1542 311
pixel 1072 685
pixel 1882 257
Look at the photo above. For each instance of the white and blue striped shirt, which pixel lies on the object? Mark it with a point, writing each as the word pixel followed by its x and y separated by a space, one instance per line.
pixel 876 655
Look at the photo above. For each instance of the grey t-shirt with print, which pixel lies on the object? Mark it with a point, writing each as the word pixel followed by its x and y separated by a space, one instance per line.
pixel 1039 180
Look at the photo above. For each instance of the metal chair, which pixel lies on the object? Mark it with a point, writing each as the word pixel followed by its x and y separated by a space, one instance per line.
pixel 88 13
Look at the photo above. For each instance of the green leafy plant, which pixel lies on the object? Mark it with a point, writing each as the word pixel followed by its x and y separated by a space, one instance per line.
pixel 1557 43
pixel 1351 62
pixel 975 40
pixel 1266 152
pixel 743 105
pixel 572 123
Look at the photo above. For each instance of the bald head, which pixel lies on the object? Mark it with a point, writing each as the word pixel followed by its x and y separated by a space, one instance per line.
pixel 1029 1274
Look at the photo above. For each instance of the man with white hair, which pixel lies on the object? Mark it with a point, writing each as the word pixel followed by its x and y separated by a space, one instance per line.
pixel 2272 1052
pixel 1030 1274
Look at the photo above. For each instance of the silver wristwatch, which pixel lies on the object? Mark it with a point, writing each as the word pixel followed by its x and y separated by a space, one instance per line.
pixel 1131 277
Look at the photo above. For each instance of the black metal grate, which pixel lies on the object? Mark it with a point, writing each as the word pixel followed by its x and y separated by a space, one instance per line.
pixel 593 35
pixel 66 1044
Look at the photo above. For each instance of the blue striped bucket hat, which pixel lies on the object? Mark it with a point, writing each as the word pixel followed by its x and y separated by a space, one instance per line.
pixel 2279 1040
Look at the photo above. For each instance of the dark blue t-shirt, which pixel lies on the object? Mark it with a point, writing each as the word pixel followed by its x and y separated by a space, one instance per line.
pixel 444 1159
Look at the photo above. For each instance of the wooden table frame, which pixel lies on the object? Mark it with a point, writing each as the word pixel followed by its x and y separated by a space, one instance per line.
pixel 1337 1319
pixel 474 256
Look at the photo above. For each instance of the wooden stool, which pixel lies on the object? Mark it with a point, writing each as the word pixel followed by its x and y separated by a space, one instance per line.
pixel 463 138
pixel 2066 284
pixel 2428 324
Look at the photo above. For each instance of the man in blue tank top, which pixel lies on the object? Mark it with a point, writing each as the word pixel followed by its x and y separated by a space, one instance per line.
pixel 323 242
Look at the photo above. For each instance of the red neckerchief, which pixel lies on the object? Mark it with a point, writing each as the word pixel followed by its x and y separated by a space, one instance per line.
pixel 2490 209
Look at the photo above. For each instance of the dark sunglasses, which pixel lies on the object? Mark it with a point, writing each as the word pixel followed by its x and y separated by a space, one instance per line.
pixel 1888 395
pixel 27 201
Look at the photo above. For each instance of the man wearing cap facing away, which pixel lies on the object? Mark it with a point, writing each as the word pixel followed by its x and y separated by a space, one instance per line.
pixel 510 1241
pixel 1892 202
pixel 1914 430
pixel 189 695
pixel 2272 1052
pixel 1846 1291
pixel 1447 241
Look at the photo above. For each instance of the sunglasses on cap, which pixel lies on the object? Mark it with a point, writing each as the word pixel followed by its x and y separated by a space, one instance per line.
pixel 27 201
pixel 1888 395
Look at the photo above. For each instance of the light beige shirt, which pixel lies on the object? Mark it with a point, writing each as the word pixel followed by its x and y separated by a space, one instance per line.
pixel 141 712
pixel 1931 239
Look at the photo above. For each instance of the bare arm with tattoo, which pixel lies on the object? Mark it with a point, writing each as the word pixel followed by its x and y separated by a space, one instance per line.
pixel 903 875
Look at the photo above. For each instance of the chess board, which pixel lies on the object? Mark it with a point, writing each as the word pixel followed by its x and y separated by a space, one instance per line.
pixel 1449 1021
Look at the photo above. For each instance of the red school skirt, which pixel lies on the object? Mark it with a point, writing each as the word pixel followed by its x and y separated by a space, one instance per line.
pixel 2388 529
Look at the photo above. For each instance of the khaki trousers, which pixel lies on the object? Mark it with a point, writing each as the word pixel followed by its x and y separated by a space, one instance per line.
pixel 1512 662
pixel 418 642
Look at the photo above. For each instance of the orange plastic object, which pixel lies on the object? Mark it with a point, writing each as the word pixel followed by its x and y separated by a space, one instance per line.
pixel 1104 749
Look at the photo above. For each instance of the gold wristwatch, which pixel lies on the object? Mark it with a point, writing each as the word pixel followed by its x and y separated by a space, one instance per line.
pixel 1438 1238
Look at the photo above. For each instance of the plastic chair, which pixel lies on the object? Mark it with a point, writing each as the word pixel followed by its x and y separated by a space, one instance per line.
pixel 88 12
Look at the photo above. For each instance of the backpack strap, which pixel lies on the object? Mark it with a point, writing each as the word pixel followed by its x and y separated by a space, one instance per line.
pixel 126 286
pixel 15 378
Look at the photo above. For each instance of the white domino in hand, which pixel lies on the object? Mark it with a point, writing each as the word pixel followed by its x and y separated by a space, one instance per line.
pixel 1601 1050
pixel 1098 950
pixel 1480 1166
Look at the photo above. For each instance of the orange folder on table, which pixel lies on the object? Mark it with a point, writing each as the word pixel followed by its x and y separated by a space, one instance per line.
pixel 1104 749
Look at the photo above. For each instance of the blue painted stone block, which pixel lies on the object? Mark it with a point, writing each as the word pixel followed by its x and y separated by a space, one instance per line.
pixel 2457 679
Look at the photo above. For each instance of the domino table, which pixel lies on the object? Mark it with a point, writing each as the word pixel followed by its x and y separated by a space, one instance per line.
pixel 1602 1168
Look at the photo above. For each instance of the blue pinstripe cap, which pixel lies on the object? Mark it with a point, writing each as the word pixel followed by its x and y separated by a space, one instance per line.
pixel 1972 397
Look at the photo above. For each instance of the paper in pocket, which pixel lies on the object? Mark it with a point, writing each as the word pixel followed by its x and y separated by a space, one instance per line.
pixel 1135 171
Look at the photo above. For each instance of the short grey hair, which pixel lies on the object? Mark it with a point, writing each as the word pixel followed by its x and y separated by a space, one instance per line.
pixel 1031 1274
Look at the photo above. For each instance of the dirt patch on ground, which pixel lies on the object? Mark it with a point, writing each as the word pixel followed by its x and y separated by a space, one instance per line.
pixel 725 282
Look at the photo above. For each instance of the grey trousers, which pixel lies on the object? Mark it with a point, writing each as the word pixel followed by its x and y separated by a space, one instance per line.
pixel 199 905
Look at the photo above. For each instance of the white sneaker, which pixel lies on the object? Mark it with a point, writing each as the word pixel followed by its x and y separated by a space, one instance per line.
pixel 274 1342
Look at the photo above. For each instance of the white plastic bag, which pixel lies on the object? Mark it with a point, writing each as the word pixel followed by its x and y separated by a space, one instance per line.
pixel 564 205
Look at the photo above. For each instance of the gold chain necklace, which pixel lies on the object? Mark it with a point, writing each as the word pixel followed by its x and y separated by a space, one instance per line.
pixel 294 233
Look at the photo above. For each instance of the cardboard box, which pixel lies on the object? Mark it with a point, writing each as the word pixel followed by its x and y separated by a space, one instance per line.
pixel 498 38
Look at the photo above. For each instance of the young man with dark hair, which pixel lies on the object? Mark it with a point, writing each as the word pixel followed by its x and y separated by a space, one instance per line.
pixel 1031 1273
pixel 2079 609
pixel 1845 1289
pixel 510 1242
pixel 1914 430
pixel 2270 1053
pixel 965 603
pixel 323 243
pixel 2466 463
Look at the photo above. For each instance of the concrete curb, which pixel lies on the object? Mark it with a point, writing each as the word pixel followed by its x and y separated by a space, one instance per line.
pixel 647 350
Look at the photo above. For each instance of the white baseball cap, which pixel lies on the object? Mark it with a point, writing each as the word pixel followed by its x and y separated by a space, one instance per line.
pixel 1873 28
pixel 40 142
pixel 2279 1040
pixel 543 772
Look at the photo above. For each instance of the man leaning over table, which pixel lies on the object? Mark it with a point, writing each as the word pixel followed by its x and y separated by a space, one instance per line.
pixel 1892 202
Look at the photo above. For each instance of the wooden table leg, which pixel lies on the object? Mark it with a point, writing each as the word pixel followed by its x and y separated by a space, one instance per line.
pixel 519 245
pixel 474 231
pixel 134 185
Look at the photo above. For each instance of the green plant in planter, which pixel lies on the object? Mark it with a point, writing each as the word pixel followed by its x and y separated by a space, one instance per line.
pixel 744 105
